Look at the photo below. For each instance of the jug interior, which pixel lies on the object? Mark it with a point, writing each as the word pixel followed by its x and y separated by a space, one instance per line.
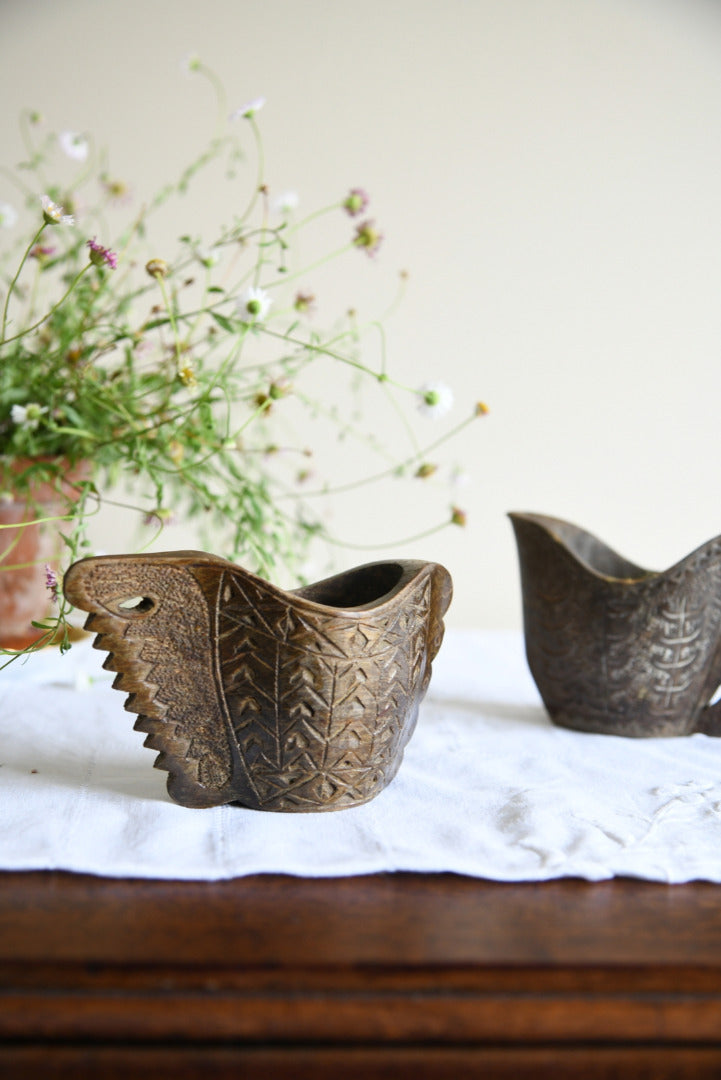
pixel 357 588
pixel 591 551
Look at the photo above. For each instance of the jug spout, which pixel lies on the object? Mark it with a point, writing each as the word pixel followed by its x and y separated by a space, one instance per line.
pixel 613 647
pixel 552 539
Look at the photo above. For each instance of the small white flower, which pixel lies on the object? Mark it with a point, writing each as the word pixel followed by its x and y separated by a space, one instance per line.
pixel 207 256
pixel 286 202
pixel 190 63
pixel 27 416
pixel 74 145
pixel 8 215
pixel 459 478
pixel 249 109
pixel 436 399
pixel 254 305
pixel 54 214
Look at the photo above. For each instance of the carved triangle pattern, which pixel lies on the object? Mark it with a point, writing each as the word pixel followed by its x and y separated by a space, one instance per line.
pixel 321 704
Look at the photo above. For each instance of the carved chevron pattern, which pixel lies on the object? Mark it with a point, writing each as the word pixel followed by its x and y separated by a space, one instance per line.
pixel 321 705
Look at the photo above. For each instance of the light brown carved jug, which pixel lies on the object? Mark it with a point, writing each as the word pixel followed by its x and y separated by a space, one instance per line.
pixel 614 648
pixel 291 701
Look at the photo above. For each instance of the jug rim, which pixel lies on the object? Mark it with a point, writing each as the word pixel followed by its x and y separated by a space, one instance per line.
pixel 642 575
pixel 408 572
pixel 588 549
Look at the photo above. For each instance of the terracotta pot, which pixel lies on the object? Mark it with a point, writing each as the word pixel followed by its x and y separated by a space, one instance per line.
pixel 27 550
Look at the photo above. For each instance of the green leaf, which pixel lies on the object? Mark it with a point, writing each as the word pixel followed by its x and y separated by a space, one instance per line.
pixel 224 323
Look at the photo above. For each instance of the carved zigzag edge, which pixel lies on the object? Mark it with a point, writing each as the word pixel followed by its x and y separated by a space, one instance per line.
pixel 123 655
pixel 172 750
pixel 133 673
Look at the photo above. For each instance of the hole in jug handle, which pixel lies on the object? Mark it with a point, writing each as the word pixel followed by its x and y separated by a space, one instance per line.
pixel 135 605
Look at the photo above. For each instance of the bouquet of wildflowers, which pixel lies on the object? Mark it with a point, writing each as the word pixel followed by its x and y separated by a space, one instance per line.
pixel 171 377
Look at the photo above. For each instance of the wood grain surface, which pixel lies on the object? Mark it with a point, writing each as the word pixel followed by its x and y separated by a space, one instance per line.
pixel 383 975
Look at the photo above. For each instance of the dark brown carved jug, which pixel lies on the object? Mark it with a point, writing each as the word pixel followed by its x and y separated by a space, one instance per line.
pixel 293 701
pixel 615 648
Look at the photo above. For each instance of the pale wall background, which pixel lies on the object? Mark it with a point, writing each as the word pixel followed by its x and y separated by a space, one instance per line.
pixel 549 171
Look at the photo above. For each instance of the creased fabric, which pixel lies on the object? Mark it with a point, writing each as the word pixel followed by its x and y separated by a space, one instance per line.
pixel 488 788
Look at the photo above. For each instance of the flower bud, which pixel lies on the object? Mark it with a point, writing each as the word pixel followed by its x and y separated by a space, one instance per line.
pixel 176 451
pixel 101 256
pixel 186 374
pixel 42 252
pixel 157 268
pixel 51 582
pixel 304 301
pixel 355 202
pixel 278 390
pixel 368 237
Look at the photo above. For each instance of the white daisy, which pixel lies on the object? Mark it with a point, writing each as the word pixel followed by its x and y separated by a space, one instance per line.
pixel 286 202
pixel 254 304
pixel 54 214
pixel 189 63
pixel 249 109
pixel 436 399
pixel 27 416
pixel 459 477
pixel 74 145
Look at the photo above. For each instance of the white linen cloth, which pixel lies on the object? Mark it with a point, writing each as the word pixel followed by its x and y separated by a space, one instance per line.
pixel 488 787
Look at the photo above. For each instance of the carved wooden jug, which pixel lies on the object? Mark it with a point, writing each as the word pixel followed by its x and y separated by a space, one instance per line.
pixel 292 701
pixel 615 648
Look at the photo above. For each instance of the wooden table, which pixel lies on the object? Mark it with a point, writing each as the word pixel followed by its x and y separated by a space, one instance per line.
pixel 383 976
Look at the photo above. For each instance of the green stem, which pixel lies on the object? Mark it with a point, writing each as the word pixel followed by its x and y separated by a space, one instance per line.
pixel 310 346
pixel 308 269
pixel 182 470
pixel 297 226
pixel 158 532
pixel 201 310
pixel 14 281
pixel 36 157
pixel 53 309
pixel 393 543
pixel 402 417
pixel 16 181
pixel 316 407
pixel 39 521
pixel 260 173
pixel 220 94
pixel 386 473
pixel 171 317
pixel 88 170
